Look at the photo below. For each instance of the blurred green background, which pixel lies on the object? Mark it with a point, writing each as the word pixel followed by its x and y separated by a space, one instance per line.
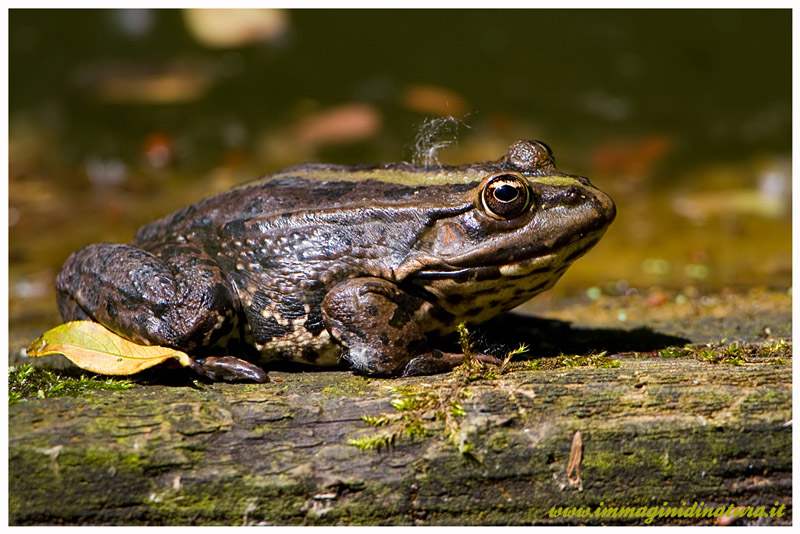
pixel 684 116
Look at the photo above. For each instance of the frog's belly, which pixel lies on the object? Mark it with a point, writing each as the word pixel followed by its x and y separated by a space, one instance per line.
pixel 302 346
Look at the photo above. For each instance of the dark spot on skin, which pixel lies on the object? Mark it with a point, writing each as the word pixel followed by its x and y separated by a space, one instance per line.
pixel 485 291
pixel 314 323
pixel 541 285
pixel 289 181
pixel 492 273
pixel 384 338
pixel 441 315
pixel 399 193
pixel 242 282
pixel 399 319
pixel 371 310
pixel 218 297
pixel 333 190
pixel 461 278
pixel 372 286
pixel 111 309
pixel 291 307
pixel 263 259
pixel 462 188
pixel 186 213
pixel 141 321
pixel 160 309
pixel 254 207
pixel 129 301
pixel 540 270
pixel 265 330
pixel 362 336
pixel 455 299
pixel 495 303
pixel 233 230
pixel 313 285
pixel 260 300
pixel 474 311
pixel 202 222
pixel 408 302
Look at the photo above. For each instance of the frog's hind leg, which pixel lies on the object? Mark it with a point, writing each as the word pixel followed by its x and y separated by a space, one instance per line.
pixel 177 298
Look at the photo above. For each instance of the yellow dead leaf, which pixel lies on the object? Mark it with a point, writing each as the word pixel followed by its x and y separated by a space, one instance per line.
pixel 93 347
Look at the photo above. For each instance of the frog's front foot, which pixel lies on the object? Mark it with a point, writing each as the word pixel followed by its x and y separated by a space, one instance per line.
pixel 373 320
pixel 229 369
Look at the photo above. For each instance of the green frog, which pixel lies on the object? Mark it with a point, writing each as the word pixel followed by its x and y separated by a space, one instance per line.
pixel 328 265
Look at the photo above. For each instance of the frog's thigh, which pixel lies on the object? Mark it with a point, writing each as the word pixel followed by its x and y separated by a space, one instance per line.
pixel 372 319
pixel 185 301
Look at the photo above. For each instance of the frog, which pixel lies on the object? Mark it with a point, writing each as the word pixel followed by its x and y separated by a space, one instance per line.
pixel 365 266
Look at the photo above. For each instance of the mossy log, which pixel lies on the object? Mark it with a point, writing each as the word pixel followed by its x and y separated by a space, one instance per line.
pixel 433 450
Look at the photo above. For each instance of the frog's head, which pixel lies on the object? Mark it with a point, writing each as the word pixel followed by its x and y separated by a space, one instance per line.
pixel 514 235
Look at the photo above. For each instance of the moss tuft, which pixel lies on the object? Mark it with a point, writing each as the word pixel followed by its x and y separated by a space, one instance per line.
pixel 28 382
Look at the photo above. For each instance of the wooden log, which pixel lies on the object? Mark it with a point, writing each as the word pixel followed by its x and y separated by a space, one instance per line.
pixel 451 450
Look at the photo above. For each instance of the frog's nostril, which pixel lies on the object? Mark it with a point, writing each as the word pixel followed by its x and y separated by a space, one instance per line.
pixel 605 206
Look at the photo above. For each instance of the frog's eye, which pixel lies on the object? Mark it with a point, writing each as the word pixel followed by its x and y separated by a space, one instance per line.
pixel 506 195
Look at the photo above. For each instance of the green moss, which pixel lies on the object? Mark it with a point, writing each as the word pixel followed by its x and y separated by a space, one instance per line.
pixel 498 442
pixel 105 458
pixel 348 386
pixel 600 360
pixel 674 352
pixel 735 353
pixel 780 349
pixel 27 382
pixel 421 410
pixel 376 442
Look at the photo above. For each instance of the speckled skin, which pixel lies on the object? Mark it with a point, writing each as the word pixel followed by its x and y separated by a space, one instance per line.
pixel 322 264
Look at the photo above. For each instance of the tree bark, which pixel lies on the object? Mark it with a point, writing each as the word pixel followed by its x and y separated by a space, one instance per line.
pixel 502 450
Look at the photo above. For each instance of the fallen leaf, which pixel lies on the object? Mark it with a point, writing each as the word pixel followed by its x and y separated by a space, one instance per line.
pixel 93 347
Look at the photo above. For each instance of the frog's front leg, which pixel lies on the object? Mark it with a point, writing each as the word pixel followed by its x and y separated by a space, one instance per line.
pixel 175 297
pixel 373 320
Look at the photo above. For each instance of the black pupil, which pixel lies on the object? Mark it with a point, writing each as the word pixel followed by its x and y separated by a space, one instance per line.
pixel 506 193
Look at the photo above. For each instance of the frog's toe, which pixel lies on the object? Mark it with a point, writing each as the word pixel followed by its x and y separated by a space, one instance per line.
pixel 229 369
pixel 486 358
pixel 441 362
pixel 434 363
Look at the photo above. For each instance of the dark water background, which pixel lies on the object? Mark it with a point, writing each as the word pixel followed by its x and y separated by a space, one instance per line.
pixel 117 117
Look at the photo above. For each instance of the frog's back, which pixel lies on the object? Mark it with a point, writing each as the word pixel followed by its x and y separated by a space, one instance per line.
pixel 310 188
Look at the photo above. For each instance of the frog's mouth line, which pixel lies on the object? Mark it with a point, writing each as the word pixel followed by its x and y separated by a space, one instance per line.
pixel 518 267
pixel 484 272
